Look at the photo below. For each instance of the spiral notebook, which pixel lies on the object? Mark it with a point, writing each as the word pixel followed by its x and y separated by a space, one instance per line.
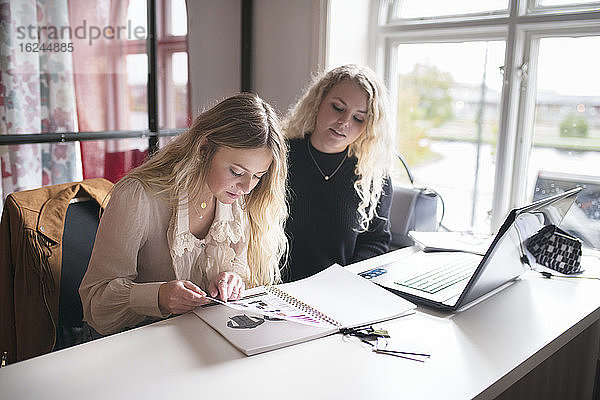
pixel 272 317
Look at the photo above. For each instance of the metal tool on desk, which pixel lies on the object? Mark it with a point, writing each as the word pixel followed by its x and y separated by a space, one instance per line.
pixel 369 334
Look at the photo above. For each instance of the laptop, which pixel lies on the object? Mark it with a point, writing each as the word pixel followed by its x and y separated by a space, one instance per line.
pixel 450 280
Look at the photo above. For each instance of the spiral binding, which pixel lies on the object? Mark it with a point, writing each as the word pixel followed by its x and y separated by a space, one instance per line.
pixel 301 305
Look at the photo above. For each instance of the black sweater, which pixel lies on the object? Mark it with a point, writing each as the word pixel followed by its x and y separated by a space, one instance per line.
pixel 323 225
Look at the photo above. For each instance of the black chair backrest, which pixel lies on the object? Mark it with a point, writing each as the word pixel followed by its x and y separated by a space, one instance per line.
pixel 79 234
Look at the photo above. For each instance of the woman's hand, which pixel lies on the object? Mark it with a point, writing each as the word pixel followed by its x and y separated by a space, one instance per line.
pixel 178 297
pixel 227 286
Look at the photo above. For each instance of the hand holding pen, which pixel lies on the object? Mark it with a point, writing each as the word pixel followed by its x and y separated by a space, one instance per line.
pixel 227 286
pixel 180 296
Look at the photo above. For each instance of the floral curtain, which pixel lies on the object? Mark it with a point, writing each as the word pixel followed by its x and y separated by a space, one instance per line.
pixel 36 96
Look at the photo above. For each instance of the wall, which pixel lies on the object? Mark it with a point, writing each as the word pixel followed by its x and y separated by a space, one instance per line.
pixel 288 45
pixel 348 32
pixel 213 51
pixel 287 48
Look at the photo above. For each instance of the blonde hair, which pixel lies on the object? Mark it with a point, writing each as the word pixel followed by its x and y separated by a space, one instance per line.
pixel 243 121
pixel 374 149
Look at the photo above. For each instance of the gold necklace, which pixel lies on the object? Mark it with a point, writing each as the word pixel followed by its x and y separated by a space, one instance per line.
pixel 203 206
pixel 326 177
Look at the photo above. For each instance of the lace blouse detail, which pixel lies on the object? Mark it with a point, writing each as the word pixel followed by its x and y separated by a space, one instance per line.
pixel 179 235
pixel 223 249
pixel 183 242
pixel 230 228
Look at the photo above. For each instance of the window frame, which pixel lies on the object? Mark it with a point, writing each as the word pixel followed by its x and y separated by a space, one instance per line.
pixel 521 28
pixel 390 16
pixel 165 46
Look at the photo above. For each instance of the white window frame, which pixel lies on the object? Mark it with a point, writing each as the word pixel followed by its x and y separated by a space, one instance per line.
pixel 521 27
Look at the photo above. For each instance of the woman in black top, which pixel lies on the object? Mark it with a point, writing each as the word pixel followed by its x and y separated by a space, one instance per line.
pixel 341 149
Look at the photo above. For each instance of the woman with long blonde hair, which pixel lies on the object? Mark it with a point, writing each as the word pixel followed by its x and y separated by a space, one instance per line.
pixel 203 216
pixel 341 149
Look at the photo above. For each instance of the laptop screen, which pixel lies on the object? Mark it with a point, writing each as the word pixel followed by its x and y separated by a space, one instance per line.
pixel 502 262
pixel 582 221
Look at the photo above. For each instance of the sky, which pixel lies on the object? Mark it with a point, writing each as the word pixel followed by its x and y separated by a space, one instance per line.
pixel 465 61
pixel 566 66
pixel 429 8
pixel 570 66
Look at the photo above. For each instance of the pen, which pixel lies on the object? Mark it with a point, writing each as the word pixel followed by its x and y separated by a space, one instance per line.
pixel 389 353
pixel 395 351
pixel 217 301
pixel 406 352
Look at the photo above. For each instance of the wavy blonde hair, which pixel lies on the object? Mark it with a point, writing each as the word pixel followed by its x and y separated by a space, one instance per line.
pixel 374 149
pixel 243 121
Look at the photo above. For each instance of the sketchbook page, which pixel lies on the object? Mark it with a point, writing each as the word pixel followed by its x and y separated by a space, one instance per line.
pixel 254 333
pixel 260 301
pixel 347 298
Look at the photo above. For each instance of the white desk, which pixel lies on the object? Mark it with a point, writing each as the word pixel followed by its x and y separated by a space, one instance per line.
pixel 475 354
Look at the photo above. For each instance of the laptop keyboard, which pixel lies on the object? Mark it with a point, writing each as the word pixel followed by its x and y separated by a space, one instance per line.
pixel 434 279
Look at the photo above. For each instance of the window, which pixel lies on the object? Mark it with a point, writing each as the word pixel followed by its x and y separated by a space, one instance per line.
pixel 566 124
pixel 492 95
pixel 82 109
pixel 172 66
pixel 566 128
pixel 448 115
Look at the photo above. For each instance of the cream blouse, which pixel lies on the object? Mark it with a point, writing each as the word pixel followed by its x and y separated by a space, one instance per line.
pixel 142 243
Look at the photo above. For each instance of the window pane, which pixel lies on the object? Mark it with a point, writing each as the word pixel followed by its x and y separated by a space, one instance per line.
pixel 137 91
pixel 550 3
pixel 173 94
pixel 448 112
pixel 180 83
pixel 178 18
pixel 566 148
pixel 164 140
pixel 112 159
pixel 435 8
pixel 137 17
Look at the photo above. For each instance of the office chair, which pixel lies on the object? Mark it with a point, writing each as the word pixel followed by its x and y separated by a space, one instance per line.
pixel 413 209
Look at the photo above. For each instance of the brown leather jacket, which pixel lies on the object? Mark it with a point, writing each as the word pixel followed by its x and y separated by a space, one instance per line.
pixel 31 232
